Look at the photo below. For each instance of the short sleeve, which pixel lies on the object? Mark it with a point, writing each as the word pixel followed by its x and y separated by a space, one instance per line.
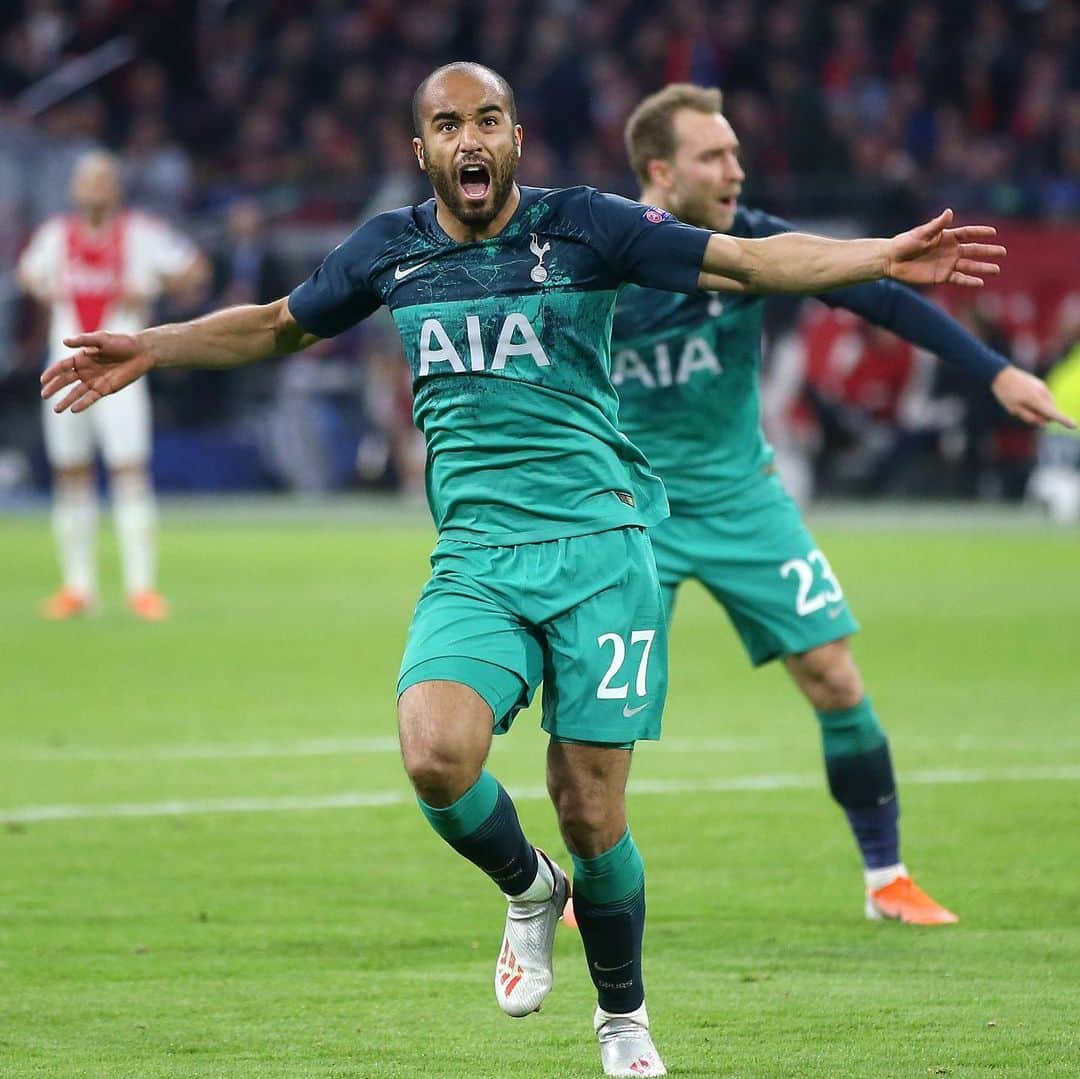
pixel 339 294
pixel 39 263
pixel 172 252
pixel 646 245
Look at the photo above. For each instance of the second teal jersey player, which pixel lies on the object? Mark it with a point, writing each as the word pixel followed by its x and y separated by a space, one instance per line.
pixel 687 370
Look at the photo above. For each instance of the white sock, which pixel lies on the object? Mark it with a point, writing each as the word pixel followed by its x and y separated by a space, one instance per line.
pixel 542 887
pixel 878 878
pixel 640 1016
pixel 135 518
pixel 74 518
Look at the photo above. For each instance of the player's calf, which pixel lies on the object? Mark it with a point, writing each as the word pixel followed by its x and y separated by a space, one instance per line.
pixel 861 778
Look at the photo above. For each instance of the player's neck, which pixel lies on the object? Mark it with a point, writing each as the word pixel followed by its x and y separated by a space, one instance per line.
pixel 652 196
pixel 464 233
pixel 97 220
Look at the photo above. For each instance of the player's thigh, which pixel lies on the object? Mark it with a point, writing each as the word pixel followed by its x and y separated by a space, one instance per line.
pixel 606 652
pixel 773 580
pixel 69 437
pixel 122 423
pixel 465 630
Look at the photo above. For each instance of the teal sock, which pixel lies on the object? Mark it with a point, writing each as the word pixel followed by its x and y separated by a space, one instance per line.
pixel 861 779
pixel 609 903
pixel 464 816
pixel 483 826
pixel 850 731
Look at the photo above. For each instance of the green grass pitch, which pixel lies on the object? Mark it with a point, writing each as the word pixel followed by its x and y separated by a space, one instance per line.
pixel 210 864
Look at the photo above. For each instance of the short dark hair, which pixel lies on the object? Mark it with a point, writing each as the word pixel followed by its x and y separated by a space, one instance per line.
pixel 472 68
pixel 650 131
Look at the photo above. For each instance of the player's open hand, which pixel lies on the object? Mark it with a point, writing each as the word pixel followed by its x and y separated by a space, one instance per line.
pixel 1028 398
pixel 934 254
pixel 103 364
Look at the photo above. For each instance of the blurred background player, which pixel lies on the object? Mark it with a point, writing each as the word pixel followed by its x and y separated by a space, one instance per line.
pixel 101 267
pixel 687 369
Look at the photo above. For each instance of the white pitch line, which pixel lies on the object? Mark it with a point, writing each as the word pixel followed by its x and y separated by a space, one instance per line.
pixel 362 800
pixel 329 747
pixel 201 751
pixel 319 747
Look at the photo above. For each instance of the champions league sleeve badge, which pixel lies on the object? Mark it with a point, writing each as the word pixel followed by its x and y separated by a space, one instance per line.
pixel 538 273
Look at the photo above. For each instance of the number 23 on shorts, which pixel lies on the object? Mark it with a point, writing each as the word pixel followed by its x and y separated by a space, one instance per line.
pixel 805 570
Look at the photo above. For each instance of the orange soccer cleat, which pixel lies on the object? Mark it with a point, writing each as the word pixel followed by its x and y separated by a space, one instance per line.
pixel 903 900
pixel 148 605
pixel 66 604
pixel 568 916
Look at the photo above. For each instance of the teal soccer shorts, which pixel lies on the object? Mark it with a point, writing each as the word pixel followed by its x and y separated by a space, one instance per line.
pixel 583 615
pixel 760 561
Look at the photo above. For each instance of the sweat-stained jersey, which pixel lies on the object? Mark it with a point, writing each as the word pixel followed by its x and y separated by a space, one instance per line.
pixel 509 343
pixel 687 368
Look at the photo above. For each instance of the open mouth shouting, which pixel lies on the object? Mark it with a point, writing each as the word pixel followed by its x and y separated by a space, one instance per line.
pixel 475 180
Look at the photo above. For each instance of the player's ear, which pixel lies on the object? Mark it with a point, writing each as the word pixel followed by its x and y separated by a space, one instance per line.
pixel 659 172
pixel 418 149
pixel 519 135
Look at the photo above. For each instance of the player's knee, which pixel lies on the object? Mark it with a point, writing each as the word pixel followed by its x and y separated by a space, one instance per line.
pixel 440 771
pixel 75 478
pixel 590 823
pixel 443 748
pixel 437 777
pixel 829 677
pixel 129 480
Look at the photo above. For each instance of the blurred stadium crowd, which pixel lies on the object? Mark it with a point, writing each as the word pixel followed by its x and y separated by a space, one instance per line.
pixel 269 129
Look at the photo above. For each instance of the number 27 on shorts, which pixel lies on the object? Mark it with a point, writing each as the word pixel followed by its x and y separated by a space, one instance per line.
pixel 608 692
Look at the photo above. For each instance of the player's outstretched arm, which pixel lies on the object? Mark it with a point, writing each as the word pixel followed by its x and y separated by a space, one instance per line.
pixel 930 254
pixel 1028 398
pixel 912 317
pixel 107 362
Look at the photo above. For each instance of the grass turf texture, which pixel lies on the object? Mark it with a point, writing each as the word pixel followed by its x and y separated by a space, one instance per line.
pixel 351 942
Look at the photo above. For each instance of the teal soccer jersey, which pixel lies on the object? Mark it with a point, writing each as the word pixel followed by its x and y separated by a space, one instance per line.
pixel 542 571
pixel 686 368
pixel 508 340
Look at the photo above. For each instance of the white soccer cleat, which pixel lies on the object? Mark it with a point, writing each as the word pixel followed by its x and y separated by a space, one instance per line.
pixel 626 1047
pixel 523 974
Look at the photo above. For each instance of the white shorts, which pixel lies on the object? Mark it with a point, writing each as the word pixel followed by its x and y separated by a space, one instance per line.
pixel 118 425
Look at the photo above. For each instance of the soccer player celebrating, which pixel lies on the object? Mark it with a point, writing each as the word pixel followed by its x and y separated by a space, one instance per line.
pixel 542 571
pixel 686 368
pixel 101 266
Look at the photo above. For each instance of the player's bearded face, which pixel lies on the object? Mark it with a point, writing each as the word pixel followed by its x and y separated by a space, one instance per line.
pixel 475 182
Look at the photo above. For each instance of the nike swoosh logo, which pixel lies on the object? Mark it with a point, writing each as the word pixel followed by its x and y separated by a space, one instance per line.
pixel 835 612
pixel 611 970
pixel 402 271
pixel 628 711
